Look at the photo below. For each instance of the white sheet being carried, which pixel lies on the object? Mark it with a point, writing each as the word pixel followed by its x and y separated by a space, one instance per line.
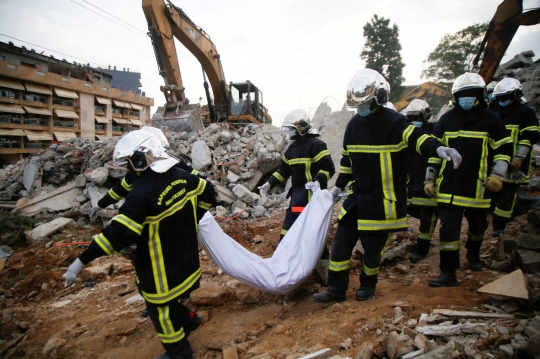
pixel 294 259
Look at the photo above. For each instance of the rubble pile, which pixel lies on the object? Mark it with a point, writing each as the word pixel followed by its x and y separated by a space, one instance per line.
pixel 75 174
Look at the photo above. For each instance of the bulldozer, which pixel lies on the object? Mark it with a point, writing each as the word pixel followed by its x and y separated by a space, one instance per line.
pixel 240 102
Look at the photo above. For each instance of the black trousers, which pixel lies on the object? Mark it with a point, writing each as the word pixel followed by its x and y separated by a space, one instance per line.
pixel 450 233
pixel 345 239
pixel 169 321
pixel 505 205
pixel 428 220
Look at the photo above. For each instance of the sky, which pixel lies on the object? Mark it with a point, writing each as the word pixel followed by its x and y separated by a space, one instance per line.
pixel 298 52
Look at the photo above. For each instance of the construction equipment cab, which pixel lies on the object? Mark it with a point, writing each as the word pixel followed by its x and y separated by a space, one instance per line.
pixel 234 102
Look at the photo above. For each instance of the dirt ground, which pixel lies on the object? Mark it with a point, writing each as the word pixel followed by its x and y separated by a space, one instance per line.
pixel 100 318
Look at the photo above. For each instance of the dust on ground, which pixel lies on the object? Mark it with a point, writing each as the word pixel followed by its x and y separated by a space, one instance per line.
pixel 99 317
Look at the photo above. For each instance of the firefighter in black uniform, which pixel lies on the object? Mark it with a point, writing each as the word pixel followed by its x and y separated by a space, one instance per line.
pixel 307 161
pixel 472 129
pixel 522 124
pixel 375 160
pixel 419 204
pixel 162 198
pixel 493 105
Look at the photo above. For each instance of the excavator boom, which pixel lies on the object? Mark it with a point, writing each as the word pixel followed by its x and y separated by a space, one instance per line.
pixel 418 92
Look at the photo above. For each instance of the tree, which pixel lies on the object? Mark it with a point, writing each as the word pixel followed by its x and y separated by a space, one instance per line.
pixel 454 54
pixel 381 52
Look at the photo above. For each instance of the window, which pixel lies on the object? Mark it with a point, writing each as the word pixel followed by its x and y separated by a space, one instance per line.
pixel 2 57
pixel 63 101
pixel 10 142
pixel 34 120
pixel 134 113
pixel 99 127
pixel 8 93
pixel 28 64
pixel 99 108
pixel 9 118
pixel 119 128
pixel 34 97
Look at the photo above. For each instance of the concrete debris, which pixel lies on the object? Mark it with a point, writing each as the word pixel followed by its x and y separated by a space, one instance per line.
pixel 41 233
pixel 513 285
pixel 235 160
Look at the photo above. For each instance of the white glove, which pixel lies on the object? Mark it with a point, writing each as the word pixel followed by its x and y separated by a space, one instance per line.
pixel 313 186
pixel 263 190
pixel 72 272
pixel 449 154
pixel 518 177
pixel 93 210
pixel 335 192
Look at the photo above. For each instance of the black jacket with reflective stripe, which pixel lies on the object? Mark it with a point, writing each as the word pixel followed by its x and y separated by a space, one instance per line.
pixel 416 171
pixel 480 137
pixel 123 186
pixel 520 120
pixel 160 215
pixel 307 159
pixel 375 150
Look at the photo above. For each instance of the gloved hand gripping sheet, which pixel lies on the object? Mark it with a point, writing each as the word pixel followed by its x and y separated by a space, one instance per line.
pixel 292 262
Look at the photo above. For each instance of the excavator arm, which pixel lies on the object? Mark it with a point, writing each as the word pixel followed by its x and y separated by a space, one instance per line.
pixel 502 28
pixel 418 92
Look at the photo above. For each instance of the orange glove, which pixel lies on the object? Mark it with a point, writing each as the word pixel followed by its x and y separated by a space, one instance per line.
pixel 493 183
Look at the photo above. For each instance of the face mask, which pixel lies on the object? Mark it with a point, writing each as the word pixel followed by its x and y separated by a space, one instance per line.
pixel 504 103
pixel 416 123
pixel 490 97
pixel 467 103
pixel 364 110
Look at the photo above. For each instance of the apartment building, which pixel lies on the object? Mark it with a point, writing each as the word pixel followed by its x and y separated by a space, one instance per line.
pixel 43 99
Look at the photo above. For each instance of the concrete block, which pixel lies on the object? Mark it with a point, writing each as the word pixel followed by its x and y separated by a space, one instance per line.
pixel 254 180
pixel 41 233
pixel 32 174
pixel 225 195
pixel 60 199
pixel 533 328
pixel 230 353
pixel 80 181
pixel 527 241
pixel 232 177
pixel 530 260
pixel 513 285
pixel 99 176
pixel 243 193
pixel 201 157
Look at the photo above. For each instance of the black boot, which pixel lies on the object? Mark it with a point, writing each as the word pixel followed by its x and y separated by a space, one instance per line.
pixel 447 279
pixel 420 251
pixel 499 226
pixel 364 293
pixel 193 324
pixel 473 255
pixel 329 296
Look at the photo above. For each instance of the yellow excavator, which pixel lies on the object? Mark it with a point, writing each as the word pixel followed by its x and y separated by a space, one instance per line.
pixel 418 92
pixel 240 102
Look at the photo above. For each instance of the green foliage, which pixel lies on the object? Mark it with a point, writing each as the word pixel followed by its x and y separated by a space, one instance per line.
pixel 381 52
pixel 454 54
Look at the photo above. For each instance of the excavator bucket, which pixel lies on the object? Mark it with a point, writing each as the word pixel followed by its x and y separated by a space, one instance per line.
pixel 183 119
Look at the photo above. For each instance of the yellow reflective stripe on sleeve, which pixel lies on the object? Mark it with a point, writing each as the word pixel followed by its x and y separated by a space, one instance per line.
pixel 129 223
pixel 449 246
pixel 160 298
pixel 420 141
pixel 284 231
pixel 501 158
pixel 505 214
pixel 326 173
pixel 321 155
pixel 300 161
pixel 530 128
pixel 385 224
pixel 339 266
pixel 407 133
pixel 204 205
pixel 279 177
pixel 342 212
pixel 419 201
pixel 126 185
pixel 425 236
pixel 194 172
pixel 376 149
pixel 114 195
pixel 525 143
pixel 344 152
pixel 435 160
pixel 284 159
pixel 499 143
pixel 104 244
pixel 370 271
pixel 345 170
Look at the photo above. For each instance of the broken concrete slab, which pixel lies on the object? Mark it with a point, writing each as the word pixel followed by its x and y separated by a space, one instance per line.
pixel 225 195
pixel 39 234
pixel 530 261
pixel 99 176
pixel 513 285
pixel 201 156
pixel 32 174
pixel 60 199
pixel 96 193
pixel 527 241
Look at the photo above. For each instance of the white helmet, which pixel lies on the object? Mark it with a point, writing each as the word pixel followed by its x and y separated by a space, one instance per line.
pixel 158 133
pixel 468 81
pixel 363 88
pixel 142 149
pixel 390 105
pixel 491 86
pixel 508 86
pixel 299 120
pixel 418 107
